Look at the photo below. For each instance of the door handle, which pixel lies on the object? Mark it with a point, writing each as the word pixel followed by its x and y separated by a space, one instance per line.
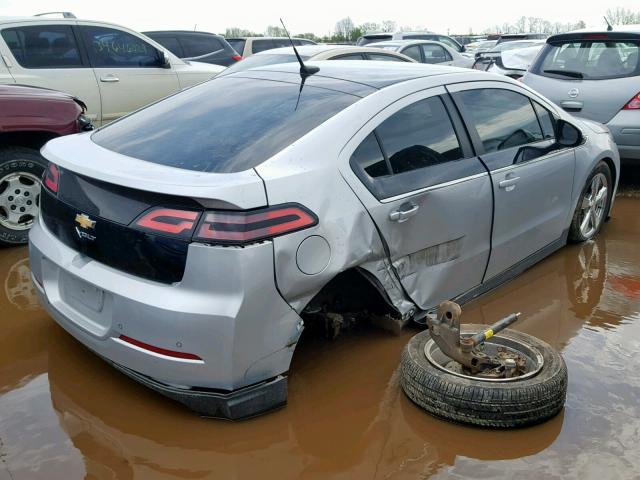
pixel 109 79
pixel 509 183
pixel 402 215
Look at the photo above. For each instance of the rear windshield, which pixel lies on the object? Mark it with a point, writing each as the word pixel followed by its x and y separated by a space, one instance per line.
pixel 367 40
pixel 261 60
pixel 225 125
pixel 589 59
pixel 237 44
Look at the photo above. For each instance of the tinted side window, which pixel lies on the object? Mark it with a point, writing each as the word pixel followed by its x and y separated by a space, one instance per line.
pixel 449 42
pixel 43 46
pixel 109 47
pixel 171 44
pixel 413 52
pixel 262 45
pixel 435 53
pixel 502 118
pixel 547 122
pixel 383 57
pixel 350 56
pixel 369 158
pixel 420 135
pixel 198 45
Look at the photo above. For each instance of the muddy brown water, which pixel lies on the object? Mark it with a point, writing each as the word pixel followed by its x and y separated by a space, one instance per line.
pixel 64 414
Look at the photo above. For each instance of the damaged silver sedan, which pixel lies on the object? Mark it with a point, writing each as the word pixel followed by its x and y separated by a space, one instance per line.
pixel 188 243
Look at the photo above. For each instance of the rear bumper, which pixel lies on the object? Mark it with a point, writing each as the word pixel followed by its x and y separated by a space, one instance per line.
pixel 226 311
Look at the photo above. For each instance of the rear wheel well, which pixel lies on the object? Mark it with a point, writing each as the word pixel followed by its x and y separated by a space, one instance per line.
pixel 30 139
pixel 612 167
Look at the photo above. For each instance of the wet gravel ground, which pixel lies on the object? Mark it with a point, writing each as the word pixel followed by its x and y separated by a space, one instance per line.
pixel 64 414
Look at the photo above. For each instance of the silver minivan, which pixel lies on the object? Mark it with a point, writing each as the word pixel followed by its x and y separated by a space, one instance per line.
pixel 595 75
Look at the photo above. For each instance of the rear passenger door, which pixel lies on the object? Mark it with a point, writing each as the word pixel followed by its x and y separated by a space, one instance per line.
pixel 129 70
pixel 428 195
pixel 532 176
pixel 49 55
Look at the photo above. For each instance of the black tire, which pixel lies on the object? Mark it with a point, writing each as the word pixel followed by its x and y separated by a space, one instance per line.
pixel 487 404
pixel 15 160
pixel 575 235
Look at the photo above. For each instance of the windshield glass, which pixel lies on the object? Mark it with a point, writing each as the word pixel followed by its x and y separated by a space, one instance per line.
pixel 590 59
pixel 262 60
pixel 225 125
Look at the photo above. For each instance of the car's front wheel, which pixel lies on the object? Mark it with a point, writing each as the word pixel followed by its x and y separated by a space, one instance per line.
pixel 20 173
pixel 593 205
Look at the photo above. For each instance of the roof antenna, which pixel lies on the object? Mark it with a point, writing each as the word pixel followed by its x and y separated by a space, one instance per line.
pixel 304 70
pixel 609 27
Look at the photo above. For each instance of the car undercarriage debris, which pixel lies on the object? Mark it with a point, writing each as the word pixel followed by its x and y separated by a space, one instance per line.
pixel 468 351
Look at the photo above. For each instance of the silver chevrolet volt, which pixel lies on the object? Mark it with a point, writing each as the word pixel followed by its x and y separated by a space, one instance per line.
pixel 595 75
pixel 188 244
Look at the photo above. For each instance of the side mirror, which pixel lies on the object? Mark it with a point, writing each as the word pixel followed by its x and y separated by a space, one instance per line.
pixel 166 62
pixel 567 135
pixel 463 48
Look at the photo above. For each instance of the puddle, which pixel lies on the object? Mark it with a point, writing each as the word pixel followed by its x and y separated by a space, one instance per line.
pixel 65 414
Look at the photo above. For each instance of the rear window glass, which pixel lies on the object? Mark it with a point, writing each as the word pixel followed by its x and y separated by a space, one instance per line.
pixel 593 59
pixel 237 44
pixel 198 45
pixel 225 125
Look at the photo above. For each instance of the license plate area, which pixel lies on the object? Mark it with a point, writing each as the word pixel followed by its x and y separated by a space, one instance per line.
pixel 80 293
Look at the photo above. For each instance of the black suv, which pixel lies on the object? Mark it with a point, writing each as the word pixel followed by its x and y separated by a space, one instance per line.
pixel 198 46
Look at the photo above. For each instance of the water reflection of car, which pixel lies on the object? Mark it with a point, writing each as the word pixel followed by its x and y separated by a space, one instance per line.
pixel 426 51
pixel 595 75
pixel 204 250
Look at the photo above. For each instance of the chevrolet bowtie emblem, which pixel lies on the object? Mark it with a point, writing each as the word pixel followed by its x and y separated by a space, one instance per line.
pixel 84 221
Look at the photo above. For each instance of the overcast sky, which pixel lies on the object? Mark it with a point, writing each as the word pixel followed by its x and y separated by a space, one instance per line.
pixel 318 17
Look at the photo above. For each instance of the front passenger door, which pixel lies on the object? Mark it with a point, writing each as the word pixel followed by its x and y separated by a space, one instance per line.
pixel 129 70
pixel 532 176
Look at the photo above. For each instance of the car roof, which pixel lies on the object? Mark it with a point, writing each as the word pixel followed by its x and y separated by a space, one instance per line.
pixel 153 32
pixel 312 50
pixel 374 74
pixel 267 38
pixel 402 43
pixel 632 33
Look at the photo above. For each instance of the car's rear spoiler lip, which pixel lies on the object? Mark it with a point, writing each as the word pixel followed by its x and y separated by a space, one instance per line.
pixel 567 37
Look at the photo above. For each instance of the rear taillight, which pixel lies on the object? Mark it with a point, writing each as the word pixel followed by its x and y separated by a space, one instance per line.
pixel 634 103
pixel 169 221
pixel 227 227
pixel 245 227
pixel 237 58
pixel 52 178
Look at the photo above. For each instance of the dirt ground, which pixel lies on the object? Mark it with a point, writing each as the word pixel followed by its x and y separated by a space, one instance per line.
pixel 65 414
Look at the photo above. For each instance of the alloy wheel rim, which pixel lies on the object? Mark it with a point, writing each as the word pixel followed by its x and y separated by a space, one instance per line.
pixel 593 205
pixel 19 200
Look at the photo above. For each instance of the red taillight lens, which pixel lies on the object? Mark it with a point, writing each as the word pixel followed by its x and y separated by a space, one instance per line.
pixel 52 178
pixel 237 58
pixel 246 227
pixel 634 103
pixel 169 221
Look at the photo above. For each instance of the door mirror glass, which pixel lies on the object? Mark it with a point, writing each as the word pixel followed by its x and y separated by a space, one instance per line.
pixel 166 61
pixel 567 134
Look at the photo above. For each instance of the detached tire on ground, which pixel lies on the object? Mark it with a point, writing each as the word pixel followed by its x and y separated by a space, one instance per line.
pixel 504 404
pixel 21 169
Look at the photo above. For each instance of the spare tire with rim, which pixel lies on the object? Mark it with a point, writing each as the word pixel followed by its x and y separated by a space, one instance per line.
pixel 495 403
